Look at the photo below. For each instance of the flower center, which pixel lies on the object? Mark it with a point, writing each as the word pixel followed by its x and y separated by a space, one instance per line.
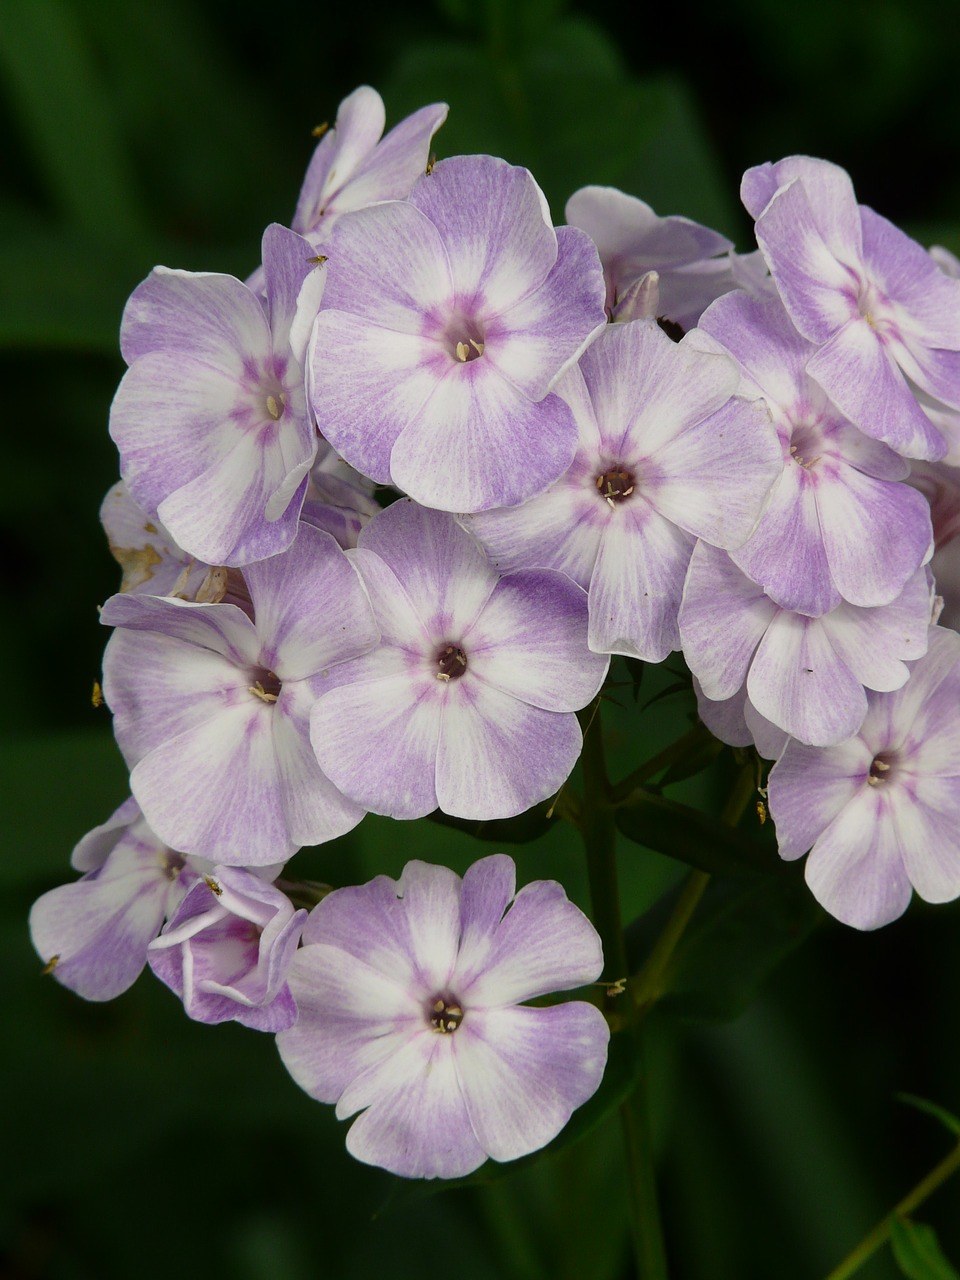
pixel 445 1013
pixel 616 484
pixel 266 686
pixel 670 327
pixel 451 662
pixel 464 339
pixel 880 770
pixel 806 447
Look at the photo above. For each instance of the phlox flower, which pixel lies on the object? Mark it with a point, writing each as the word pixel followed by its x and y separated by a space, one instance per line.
pixel 880 812
pixel 211 418
pixel 468 702
pixel 447 319
pixel 839 523
pixel 940 485
pixel 227 948
pixel 666 454
pixel 409 994
pixel 211 704
pixel 93 934
pixel 694 265
pixel 807 676
pixel 884 316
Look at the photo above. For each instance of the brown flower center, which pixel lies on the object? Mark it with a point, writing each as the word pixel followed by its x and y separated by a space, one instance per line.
pixel 445 1014
pixel 616 484
pixel 451 662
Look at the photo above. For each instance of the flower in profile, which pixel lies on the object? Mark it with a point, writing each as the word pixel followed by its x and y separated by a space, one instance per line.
pixel 211 706
pixel 409 994
pixel 468 703
pixel 93 934
pixel 839 494
pixel 667 454
pixel 693 264
pixel 227 949
pixel 806 675
pixel 884 315
pixel 940 485
pixel 447 320
pixel 354 166
pixel 338 498
pixel 880 813
pixel 211 418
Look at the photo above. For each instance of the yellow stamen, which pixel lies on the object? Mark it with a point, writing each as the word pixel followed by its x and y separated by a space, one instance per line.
pixel 275 406
pixel 258 691
pixel 319 130
pixel 51 964
pixel 96 697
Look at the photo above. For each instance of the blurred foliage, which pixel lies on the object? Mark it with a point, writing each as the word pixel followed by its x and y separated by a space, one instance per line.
pixel 135 1140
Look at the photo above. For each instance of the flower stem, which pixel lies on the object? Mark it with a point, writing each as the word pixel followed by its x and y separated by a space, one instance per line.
pixel 881 1232
pixel 599 837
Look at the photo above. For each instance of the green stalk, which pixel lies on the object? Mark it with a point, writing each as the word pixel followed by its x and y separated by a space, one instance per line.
pixel 881 1232
pixel 599 837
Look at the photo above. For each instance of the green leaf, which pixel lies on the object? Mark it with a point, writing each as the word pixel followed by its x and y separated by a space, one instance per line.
pixel 73 131
pixel 740 933
pixel 522 829
pixel 624 1064
pixel 695 761
pixel 918 1252
pixel 696 838
pixel 949 1121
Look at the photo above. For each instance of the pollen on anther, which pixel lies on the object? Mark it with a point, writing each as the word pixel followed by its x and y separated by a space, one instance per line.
pixel 275 406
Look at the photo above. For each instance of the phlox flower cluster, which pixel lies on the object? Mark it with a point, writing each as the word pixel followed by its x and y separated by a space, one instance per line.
pixel 388 507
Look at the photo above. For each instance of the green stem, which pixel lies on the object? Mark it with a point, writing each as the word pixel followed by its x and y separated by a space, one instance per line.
pixel 881 1232
pixel 599 837
pixel 688 742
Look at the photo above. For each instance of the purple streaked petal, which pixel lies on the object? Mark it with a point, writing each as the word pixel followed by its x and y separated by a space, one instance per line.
pixel 712 480
pixel 762 338
pixel 818 290
pixel 926 822
pixel 828 189
pixel 412 273
pixel 869 566
pixel 212 319
pixel 544 943
pixel 523 1072
pixel 92 850
pixel 440 566
pixel 530 641
pixel 723 618
pixel 431 905
pixel 924 299
pixel 416 1124
pixel 311 605
pixel 856 869
pixel 339 153
pixel 368 384
pixel 495 225
pixel 725 717
pixel 799 682
pixel 637 584
pixel 399 159
pixel 498 756
pixel 369 922
pixel 861 379
pixel 786 553
pixel 909 710
pixel 377 741
pixel 487 889
pixel 547 330
pixel 810 786
pixel 876 644
pixel 631 238
pixel 214 789
pixel 286 266
pixel 479 443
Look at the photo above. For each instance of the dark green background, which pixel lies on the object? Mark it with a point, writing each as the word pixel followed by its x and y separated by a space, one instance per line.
pixel 137 1144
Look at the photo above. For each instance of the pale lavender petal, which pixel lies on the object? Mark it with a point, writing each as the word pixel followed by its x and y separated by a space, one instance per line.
pixel 351 1017
pixel 212 319
pixel 439 565
pixel 92 850
pixel 767 737
pixel 480 443
pixel 149 557
pixel 339 153
pixel 922 297
pixel 761 337
pixel 311 605
pixel 390 171
pixel 523 1072
pixel 725 717
pixel 913 703
pixel 431 898
pixel 723 618
pixel 95 932
pixel 819 291
pixel 798 681
pixel 367 384
pixel 637 584
pixel 286 265
pixel 809 786
pixel 498 756
pixel 487 890
pixel 786 553
pixel 862 380
pixel 631 238
pixel 544 943
pixel 547 330
pixel 377 741
pixel 926 821
pixel 877 643
pixel 495 225
pixel 369 922
pixel 829 190
pixel 416 1124
pixel 530 640
pixel 712 479
pixel 856 869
